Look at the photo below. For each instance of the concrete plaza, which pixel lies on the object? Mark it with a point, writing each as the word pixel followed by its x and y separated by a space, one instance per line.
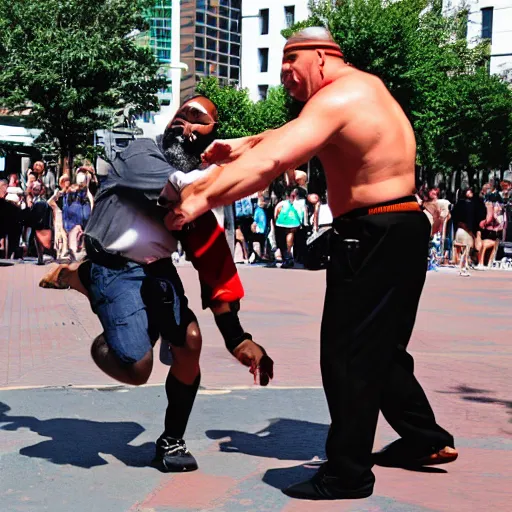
pixel 73 440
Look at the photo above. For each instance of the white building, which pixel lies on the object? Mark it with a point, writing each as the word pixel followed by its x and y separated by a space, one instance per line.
pixel 489 19
pixel 262 42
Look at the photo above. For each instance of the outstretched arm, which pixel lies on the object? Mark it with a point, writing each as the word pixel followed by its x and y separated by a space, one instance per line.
pixel 282 149
pixel 223 151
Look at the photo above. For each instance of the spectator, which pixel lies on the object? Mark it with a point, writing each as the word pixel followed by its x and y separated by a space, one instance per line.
pixel 432 209
pixel 56 203
pixel 467 215
pixel 259 230
pixel 505 186
pixel 243 222
pixel 287 220
pixel 39 218
pixel 492 233
pixel 46 177
pixel 76 210
pixel 10 224
pixel 15 193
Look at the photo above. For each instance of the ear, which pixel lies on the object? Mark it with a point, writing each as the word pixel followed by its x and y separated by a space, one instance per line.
pixel 321 60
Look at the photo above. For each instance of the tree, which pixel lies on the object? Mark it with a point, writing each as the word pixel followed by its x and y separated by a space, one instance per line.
pixel 234 107
pixel 238 115
pixel 72 63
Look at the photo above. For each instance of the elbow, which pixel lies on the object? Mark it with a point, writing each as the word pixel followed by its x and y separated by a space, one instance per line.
pixel 271 168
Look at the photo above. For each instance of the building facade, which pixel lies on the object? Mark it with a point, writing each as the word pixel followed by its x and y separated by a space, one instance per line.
pixel 262 42
pixel 191 39
pixel 489 20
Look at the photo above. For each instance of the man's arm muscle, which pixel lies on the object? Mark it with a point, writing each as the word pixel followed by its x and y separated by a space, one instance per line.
pixel 282 149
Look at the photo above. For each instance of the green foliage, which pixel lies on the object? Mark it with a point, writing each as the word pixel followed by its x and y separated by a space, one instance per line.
pixel 238 115
pixel 234 107
pixel 72 63
pixel 460 114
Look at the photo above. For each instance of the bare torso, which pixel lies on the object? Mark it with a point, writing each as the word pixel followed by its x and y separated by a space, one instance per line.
pixel 371 159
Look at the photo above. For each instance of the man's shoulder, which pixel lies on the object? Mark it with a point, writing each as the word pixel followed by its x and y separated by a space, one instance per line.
pixel 349 88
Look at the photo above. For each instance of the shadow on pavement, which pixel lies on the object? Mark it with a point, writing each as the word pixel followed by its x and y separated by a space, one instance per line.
pixel 480 396
pixel 283 439
pixel 81 442
pixel 281 478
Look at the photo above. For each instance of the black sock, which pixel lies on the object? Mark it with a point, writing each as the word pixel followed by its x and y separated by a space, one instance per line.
pixel 180 399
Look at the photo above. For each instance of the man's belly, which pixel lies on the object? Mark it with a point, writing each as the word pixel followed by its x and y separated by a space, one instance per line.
pixel 344 198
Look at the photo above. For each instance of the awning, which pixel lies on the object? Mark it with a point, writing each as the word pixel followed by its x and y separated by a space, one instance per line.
pixel 18 135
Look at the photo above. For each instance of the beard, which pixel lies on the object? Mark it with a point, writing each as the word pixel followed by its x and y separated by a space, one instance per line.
pixel 183 154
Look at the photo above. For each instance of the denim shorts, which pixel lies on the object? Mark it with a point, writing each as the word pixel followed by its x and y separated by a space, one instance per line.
pixel 136 304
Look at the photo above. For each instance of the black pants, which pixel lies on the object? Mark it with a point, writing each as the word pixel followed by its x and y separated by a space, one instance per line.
pixel 369 313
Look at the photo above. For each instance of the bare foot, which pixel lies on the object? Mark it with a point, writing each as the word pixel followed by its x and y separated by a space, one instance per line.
pixel 447 454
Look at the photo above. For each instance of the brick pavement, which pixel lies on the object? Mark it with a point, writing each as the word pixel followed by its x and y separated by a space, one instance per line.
pixel 461 345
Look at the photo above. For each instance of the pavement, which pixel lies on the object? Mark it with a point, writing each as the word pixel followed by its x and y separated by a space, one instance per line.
pixel 71 439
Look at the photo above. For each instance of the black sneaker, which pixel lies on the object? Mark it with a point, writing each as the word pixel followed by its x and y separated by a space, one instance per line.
pixel 326 487
pixel 173 456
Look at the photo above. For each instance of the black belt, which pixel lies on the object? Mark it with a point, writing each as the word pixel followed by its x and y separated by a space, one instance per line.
pixel 97 254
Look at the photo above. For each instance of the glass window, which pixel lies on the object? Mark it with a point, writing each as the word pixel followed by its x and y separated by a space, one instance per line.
pixel 223 47
pixel 487 15
pixel 211 56
pixel 224 11
pixel 212 32
pixel 199 66
pixel 199 42
pixel 235 38
pixel 223 71
pixel 264 21
pixel 200 29
pixel 223 23
pixel 234 73
pixel 211 21
pixel 212 68
pixel 223 35
pixel 223 59
pixel 235 61
pixel 164 54
pixel 289 14
pixel 199 54
pixel 263 58
pixel 211 44
pixel 200 17
pixel 263 91
pixel 235 50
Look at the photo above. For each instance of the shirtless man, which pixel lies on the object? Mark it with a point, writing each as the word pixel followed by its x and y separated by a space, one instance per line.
pixel 353 125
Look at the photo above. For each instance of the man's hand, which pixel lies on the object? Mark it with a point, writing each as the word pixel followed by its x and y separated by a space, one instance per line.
pixel 254 356
pixel 188 210
pixel 225 151
pixel 218 151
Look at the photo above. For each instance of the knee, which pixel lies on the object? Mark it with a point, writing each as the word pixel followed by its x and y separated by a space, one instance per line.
pixel 194 340
pixel 138 373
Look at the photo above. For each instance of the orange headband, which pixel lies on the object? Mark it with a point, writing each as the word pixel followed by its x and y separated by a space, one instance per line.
pixel 330 48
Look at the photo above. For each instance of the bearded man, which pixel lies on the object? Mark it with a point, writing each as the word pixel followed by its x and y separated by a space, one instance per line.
pixel 133 286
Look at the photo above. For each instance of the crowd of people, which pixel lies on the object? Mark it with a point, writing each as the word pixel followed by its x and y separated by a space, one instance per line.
pixel 467 233
pixel 42 216
pixel 285 225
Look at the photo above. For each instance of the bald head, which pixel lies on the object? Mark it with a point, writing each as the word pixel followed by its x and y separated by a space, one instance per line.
pixel 313 38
